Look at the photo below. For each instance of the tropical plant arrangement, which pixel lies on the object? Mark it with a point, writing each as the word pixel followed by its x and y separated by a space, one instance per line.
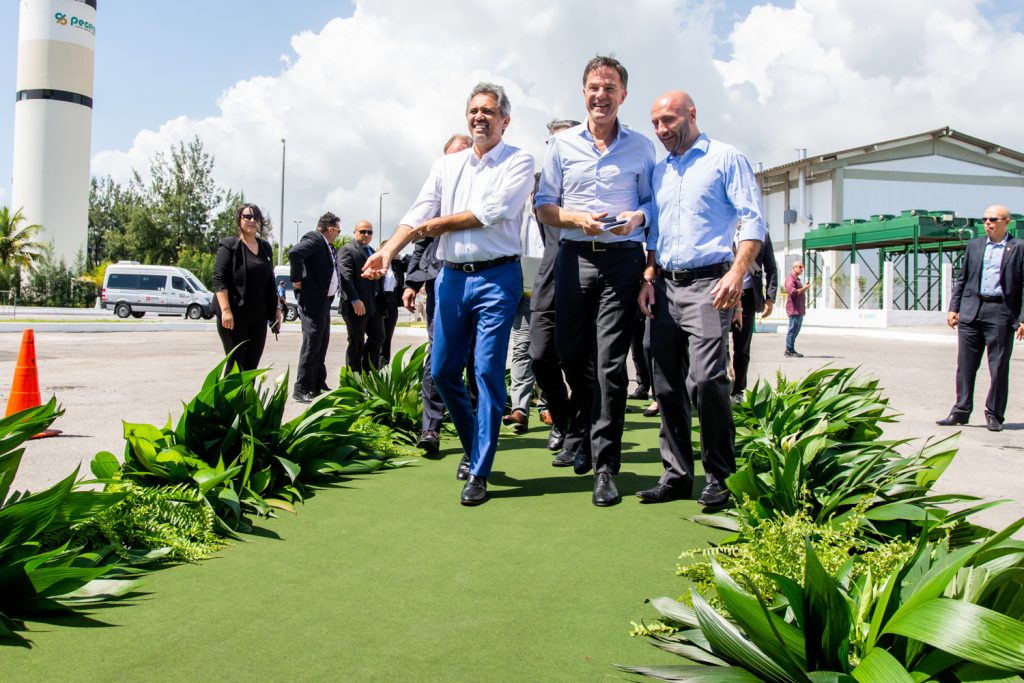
pixel 232 445
pixel 392 392
pixel 843 565
pixel 37 577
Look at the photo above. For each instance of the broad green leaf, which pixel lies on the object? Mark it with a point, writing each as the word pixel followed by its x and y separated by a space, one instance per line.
pixel 881 667
pixel 826 617
pixel 25 519
pixel 209 479
pixel 104 465
pixel 693 674
pixel 967 630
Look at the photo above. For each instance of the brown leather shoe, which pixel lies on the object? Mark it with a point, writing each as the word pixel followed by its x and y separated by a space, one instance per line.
pixel 517 420
pixel 545 417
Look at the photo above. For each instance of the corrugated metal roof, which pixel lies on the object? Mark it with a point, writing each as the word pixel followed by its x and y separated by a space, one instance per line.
pixel 947 132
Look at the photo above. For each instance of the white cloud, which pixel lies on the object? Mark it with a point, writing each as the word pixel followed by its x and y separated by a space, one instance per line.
pixel 367 102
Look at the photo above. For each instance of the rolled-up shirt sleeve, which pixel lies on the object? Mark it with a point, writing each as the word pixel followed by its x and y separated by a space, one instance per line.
pixel 742 189
pixel 505 200
pixel 428 202
pixel 550 189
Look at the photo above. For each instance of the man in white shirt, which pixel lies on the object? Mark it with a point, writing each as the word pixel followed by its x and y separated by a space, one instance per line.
pixel 473 202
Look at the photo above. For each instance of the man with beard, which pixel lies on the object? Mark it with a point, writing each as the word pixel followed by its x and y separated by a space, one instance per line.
pixel 692 283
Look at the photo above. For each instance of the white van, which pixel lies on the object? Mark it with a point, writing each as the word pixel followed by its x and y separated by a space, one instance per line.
pixel 132 289
pixel 282 279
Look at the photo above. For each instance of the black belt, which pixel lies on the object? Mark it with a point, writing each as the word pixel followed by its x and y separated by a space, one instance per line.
pixel 477 266
pixel 594 245
pixel 688 275
pixel 994 299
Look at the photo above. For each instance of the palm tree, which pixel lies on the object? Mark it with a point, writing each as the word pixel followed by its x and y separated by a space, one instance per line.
pixel 17 242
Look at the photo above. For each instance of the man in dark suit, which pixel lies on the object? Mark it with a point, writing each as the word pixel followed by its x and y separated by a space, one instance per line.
pixel 362 303
pixel 314 275
pixel 760 287
pixel 985 308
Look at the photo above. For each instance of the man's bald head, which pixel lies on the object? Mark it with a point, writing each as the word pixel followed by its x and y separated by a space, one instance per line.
pixel 674 118
pixel 997 219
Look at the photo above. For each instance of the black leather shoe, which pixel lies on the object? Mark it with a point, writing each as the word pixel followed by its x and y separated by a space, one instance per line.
pixel 714 496
pixel 582 462
pixel 993 424
pixel 564 458
pixel 475 490
pixel 605 493
pixel 652 410
pixel 640 393
pixel 555 439
pixel 952 419
pixel 463 472
pixel 662 493
pixel 303 397
pixel 793 354
pixel 429 443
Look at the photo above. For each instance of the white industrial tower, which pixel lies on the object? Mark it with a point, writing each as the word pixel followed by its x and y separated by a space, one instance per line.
pixel 53 120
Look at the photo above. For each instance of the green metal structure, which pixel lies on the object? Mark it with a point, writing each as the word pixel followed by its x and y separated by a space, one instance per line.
pixel 917 242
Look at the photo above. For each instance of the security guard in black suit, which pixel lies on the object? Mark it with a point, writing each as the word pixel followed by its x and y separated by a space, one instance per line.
pixel 985 308
pixel 362 302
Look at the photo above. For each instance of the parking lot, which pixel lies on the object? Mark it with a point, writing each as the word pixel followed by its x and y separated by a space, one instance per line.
pixel 102 378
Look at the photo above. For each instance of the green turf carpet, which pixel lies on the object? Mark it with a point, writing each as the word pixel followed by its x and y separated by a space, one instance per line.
pixel 387 578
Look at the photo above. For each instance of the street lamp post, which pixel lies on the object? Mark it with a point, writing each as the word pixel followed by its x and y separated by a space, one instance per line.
pixel 380 212
pixel 297 224
pixel 280 226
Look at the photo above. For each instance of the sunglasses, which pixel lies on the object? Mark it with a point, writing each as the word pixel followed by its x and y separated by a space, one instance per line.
pixel 364 232
pixel 992 219
pixel 249 217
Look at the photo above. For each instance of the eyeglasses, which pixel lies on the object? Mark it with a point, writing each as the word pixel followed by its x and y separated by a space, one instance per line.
pixel 249 217
pixel 993 219
pixel 364 232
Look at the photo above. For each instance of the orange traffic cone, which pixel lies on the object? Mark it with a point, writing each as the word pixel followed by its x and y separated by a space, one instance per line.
pixel 25 386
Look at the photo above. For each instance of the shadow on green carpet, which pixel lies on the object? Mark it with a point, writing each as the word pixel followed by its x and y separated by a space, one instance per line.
pixel 391 579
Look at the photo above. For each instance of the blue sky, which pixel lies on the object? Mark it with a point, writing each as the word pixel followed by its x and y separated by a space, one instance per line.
pixel 365 101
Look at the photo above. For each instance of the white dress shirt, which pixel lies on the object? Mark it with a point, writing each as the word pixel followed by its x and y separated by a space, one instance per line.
pixel 493 188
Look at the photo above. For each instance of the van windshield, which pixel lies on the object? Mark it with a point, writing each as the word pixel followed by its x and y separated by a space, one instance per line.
pixel 196 284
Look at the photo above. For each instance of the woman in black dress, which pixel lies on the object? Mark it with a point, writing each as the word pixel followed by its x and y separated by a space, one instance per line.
pixel 245 294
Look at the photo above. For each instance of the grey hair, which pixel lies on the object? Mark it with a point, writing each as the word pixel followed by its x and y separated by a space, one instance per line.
pixel 557 125
pixel 495 91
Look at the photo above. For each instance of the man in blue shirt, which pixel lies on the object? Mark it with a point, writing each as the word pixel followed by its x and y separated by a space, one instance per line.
pixel 691 285
pixel 985 309
pixel 595 187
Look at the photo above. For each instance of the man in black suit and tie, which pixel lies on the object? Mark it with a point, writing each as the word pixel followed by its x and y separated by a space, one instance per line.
pixel 314 275
pixel 985 308
pixel 362 303
pixel 760 287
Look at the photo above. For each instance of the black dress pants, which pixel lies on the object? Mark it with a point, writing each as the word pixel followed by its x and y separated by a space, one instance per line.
pixel 547 371
pixel 311 377
pixel 365 338
pixel 251 334
pixel 639 351
pixel 741 339
pixel 596 309
pixel 433 406
pixel 392 300
pixel 991 331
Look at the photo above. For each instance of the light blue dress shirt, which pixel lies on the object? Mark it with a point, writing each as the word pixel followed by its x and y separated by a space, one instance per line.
pixel 699 197
pixel 577 176
pixel 990 268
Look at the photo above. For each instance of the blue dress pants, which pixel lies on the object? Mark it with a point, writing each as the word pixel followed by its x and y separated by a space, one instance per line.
pixel 483 303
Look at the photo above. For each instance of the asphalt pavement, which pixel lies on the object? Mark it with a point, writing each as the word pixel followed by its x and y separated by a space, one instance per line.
pixel 102 378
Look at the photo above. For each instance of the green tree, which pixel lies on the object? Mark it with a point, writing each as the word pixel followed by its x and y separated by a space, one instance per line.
pixel 18 246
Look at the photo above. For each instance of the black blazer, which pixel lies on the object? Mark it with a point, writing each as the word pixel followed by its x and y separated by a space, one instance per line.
pixel 423 264
pixel 312 265
pixel 230 274
pixel 765 275
pixel 1011 278
pixel 351 260
pixel 543 297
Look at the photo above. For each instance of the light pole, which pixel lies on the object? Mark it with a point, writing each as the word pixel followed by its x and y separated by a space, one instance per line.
pixel 380 212
pixel 297 224
pixel 280 228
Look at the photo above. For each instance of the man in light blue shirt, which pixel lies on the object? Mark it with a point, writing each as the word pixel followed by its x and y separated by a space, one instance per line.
pixel 691 285
pixel 595 186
